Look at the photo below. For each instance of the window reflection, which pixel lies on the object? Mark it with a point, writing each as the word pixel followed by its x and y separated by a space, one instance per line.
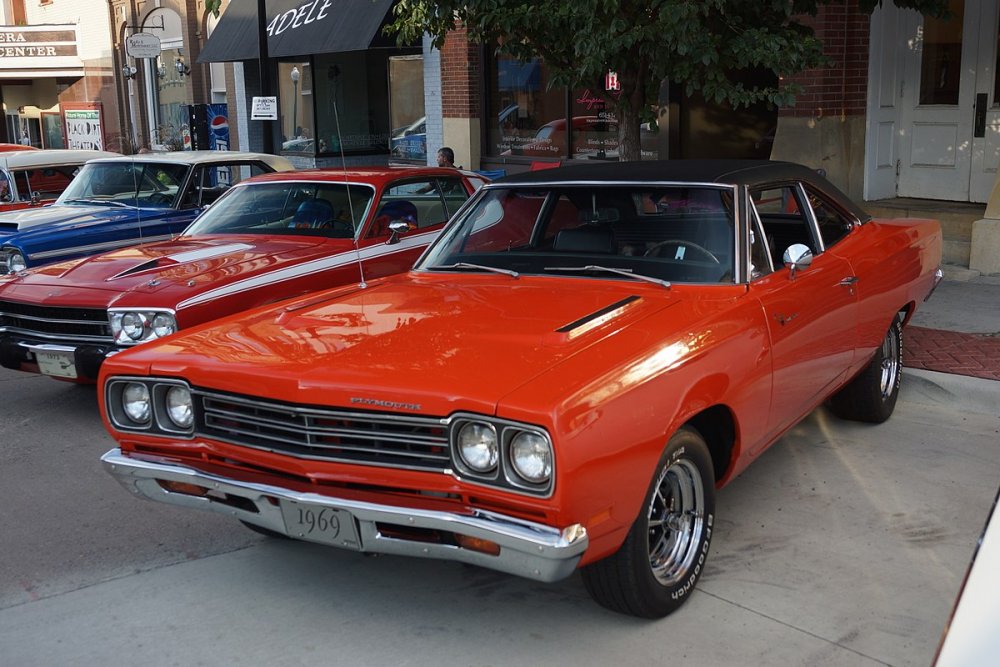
pixel 941 59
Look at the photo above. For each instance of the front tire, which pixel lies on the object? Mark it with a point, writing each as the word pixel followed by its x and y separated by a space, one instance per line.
pixel 663 556
pixel 871 396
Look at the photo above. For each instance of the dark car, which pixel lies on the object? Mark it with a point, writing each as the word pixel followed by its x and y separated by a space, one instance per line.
pixel 123 201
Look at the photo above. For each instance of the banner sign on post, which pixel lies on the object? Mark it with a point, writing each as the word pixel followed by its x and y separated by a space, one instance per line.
pixel 84 128
pixel 264 108
pixel 143 45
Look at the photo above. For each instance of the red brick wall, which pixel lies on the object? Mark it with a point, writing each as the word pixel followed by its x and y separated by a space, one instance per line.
pixel 460 71
pixel 841 89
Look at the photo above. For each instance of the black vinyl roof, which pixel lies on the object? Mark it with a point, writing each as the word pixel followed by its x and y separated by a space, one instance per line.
pixel 728 172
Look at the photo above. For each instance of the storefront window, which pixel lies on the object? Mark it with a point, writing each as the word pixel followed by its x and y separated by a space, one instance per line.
pixel 295 83
pixel 352 88
pixel 525 119
pixel 406 95
pixel 171 96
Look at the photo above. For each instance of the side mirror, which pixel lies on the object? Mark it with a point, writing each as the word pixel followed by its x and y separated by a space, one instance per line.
pixel 397 227
pixel 36 197
pixel 796 258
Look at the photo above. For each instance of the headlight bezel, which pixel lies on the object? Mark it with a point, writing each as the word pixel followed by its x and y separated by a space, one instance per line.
pixel 8 258
pixel 505 475
pixel 150 317
pixel 160 422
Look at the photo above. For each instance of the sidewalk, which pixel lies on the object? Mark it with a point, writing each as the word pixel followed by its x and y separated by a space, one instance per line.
pixel 958 330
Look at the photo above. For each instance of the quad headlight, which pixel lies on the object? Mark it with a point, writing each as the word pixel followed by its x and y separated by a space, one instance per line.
pixel 136 403
pixel 12 261
pixel 179 407
pixel 531 457
pixel 158 406
pixel 502 453
pixel 477 445
pixel 138 326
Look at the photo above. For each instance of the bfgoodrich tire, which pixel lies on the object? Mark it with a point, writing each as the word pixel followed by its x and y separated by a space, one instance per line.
pixel 871 396
pixel 663 556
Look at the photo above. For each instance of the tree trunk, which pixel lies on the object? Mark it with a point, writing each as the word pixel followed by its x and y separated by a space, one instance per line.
pixel 628 133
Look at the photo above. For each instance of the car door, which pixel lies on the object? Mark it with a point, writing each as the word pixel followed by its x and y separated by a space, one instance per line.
pixel 426 204
pixel 811 312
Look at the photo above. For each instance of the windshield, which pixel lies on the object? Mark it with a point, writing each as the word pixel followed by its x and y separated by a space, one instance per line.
pixel 147 184
pixel 314 209
pixel 672 233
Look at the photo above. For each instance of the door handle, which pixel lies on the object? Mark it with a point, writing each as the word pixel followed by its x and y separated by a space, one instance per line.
pixel 849 281
pixel 979 116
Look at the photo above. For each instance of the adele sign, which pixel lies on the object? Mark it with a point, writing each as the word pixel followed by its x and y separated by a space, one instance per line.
pixel 304 14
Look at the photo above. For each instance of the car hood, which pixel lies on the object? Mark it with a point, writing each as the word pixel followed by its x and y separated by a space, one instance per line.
pixel 60 217
pixel 427 343
pixel 183 268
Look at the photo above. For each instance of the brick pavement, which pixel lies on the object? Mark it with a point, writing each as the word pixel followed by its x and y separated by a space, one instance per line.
pixel 975 355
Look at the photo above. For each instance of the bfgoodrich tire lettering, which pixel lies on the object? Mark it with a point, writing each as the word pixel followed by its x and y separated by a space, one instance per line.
pixel 871 396
pixel 657 566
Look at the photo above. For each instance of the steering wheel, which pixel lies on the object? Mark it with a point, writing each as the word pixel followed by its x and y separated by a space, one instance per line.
pixel 341 228
pixel 655 250
pixel 160 198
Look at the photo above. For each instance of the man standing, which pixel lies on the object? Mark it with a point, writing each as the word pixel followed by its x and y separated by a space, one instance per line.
pixel 446 157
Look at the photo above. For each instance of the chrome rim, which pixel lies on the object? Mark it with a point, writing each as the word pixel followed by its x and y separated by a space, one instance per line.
pixel 890 363
pixel 675 521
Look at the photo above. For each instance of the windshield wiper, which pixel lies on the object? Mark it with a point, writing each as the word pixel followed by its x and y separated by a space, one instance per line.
pixel 628 273
pixel 479 267
pixel 99 201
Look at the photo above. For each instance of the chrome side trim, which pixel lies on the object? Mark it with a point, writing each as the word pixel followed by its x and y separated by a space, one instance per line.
pixel 938 277
pixel 527 549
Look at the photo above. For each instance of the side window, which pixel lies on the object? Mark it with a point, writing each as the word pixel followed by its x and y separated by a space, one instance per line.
pixel 454 194
pixel 426 197
pixel 760 261
pixel 781 215
pixel 23 187
pixel 833 225
pixel 210 181
pixel 48 182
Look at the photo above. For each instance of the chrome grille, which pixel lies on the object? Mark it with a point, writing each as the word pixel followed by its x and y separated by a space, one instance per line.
pixel 55 323
pixel 401 441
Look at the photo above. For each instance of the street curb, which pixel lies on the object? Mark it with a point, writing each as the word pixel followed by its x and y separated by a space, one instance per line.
pixel 966 394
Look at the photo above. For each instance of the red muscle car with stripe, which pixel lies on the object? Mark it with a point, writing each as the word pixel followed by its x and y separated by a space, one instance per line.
pixel 267 239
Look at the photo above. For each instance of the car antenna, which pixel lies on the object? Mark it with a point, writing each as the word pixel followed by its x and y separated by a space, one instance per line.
pixel 350 202
pixel 135 193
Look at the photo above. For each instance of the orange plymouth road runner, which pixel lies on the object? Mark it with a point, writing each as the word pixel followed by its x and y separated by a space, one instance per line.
pixel 564 380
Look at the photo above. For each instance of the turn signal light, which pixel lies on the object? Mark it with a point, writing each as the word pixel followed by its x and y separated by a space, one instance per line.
pixel 182 487
pixel 478 544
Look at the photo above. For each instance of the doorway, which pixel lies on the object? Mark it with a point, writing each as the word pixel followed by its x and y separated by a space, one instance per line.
pixel 934 108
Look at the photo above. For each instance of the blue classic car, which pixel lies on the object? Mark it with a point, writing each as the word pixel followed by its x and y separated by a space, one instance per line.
pixel 118 202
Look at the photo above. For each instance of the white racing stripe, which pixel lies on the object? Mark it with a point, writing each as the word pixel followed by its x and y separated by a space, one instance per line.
pixel 207 253
pixel 308 268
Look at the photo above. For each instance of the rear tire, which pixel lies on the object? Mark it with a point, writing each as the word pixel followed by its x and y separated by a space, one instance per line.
pixel 663 556
pixel 871 396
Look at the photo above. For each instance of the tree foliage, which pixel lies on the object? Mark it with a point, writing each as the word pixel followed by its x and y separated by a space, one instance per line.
pixel 704 45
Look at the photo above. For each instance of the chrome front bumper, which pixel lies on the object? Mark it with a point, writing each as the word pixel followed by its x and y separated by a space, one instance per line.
pixel 527 549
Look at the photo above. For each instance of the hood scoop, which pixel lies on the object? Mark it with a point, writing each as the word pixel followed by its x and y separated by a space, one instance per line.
pixel 182 257
pixel 599 317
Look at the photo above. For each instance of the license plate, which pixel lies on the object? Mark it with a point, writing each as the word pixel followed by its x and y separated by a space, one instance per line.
pixel 316 523
pixel 56 362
